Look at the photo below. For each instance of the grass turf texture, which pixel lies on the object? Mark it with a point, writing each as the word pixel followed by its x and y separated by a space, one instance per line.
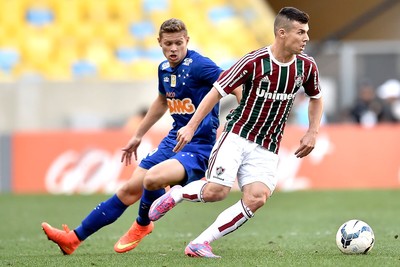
pixel 293 229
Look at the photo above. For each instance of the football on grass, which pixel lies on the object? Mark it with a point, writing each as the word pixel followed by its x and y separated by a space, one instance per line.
pixel 355 237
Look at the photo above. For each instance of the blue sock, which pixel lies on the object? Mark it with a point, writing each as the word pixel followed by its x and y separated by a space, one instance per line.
pixel 105 213
pixel 147 199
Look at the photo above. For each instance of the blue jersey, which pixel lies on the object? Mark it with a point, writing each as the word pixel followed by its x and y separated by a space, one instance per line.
pixel 184 87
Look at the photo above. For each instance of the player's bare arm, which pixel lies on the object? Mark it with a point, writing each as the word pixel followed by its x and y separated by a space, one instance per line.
pixel 185 134
pixel 307 143
pixel 155 112
pixel 238 93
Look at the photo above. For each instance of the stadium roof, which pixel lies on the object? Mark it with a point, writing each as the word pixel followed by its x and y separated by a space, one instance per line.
pixel 349 19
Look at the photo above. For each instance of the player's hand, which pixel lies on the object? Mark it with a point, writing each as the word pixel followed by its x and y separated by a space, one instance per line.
pixel 183 136
pixel 307 144
pixel 130 148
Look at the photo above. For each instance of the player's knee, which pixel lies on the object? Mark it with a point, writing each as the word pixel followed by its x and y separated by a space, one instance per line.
pixel 214 192
pixel 254 201
pixel 255 195
pixel 150 185
pixel 152 182
pixel 128 195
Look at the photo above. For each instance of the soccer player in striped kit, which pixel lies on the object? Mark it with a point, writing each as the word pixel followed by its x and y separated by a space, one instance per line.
pixel 248 147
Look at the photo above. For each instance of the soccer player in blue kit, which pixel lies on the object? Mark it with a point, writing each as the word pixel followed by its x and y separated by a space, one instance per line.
pixel 184 79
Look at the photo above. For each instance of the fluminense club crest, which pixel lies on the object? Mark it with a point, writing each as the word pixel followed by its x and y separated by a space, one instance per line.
pixel 220 170
pixel 298 80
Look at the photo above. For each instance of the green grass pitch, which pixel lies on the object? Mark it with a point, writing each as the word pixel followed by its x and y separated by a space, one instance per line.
pixel 292 229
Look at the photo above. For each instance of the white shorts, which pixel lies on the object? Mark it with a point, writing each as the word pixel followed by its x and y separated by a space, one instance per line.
pixel 236 157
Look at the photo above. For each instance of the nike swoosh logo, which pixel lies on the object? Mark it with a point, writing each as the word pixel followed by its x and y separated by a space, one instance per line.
pixel 65 249
pixel 124 246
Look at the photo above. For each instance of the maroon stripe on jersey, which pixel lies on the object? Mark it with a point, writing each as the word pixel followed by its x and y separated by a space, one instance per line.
pixel 246 114
pixel 291 79
pixel 191 197
pixel 214 154
pixel 235 70
pixel 231 223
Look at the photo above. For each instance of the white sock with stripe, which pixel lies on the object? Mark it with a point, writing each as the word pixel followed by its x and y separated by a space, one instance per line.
pixel 227 221
pixel 190 192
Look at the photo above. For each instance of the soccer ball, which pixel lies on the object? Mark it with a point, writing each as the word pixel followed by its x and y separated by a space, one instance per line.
pixel 355 237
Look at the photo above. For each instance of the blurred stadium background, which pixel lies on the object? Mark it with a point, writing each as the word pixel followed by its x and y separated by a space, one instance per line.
pixel 74 73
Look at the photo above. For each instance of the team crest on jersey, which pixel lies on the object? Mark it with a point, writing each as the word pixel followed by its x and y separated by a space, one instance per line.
pixel 187 61
pixel 220 170
pixel 298 80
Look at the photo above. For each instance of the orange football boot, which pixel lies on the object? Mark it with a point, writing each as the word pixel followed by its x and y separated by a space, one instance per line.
pixel 132 238
pixel 65 239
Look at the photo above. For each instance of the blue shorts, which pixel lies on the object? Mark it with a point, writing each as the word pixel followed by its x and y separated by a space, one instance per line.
pixel 193 157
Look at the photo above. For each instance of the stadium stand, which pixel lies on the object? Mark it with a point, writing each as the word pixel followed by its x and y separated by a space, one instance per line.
pixel 116 39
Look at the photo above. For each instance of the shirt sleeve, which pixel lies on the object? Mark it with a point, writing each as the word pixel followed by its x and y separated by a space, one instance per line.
pixel 312 85
pixel 208 71
pixel 234 76
pixel 161 88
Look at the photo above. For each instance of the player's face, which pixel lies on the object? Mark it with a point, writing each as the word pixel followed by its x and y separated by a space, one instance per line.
pixel 297 37
pixel 174 47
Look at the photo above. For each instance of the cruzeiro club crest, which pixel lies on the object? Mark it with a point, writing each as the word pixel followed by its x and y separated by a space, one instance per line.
pixel 298 80
pixel 220 170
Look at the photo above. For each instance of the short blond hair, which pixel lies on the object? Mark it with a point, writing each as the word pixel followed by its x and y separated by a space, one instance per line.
pixel 171 26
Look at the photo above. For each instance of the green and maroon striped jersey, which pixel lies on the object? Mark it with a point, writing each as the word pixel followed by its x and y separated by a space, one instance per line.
pixel 269 90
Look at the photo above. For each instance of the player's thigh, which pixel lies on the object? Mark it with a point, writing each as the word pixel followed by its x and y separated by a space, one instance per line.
pixel 156 156
pixel 225 159
pixel 259 165
pixel 194 162
pixel 168 172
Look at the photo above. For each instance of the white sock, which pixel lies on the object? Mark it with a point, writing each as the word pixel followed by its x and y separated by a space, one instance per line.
pixel 190 192
pixel 227 221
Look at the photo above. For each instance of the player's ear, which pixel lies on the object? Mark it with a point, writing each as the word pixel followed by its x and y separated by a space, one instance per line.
pixel 281 33
pixel 159 41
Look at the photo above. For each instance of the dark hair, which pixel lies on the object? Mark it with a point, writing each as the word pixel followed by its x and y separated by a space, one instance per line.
pixel 172 26
pixel 289 14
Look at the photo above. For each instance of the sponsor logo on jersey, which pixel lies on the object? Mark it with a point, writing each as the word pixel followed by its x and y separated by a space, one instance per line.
pixel 187 61
pixel 170 94
pixel 274 96
pixel 238 78
pixel 316 85
pixel 166 79
pixel 181 106
pixel 265 79
pixel 165 65
pixel 173 80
